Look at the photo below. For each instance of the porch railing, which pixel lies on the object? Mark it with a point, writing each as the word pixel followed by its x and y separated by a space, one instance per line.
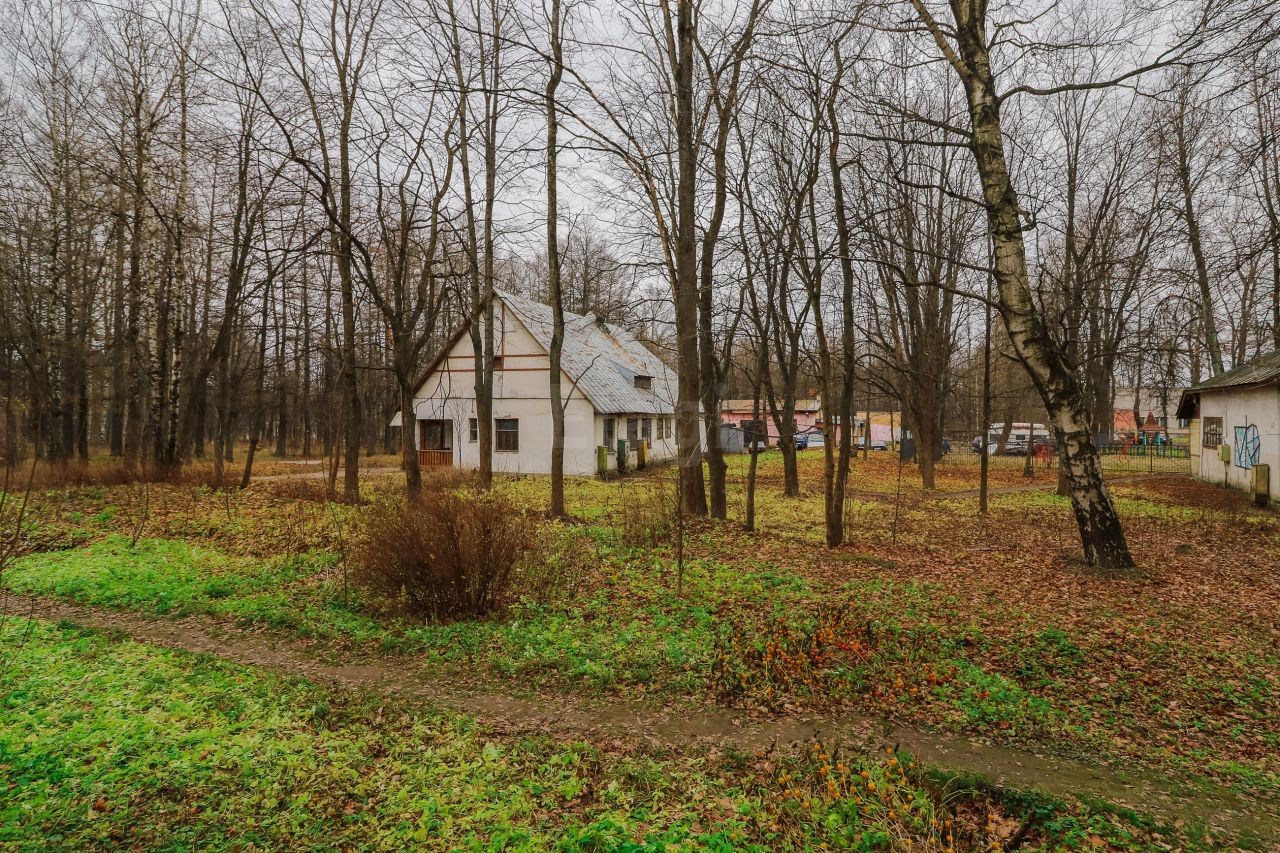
pixel 435 459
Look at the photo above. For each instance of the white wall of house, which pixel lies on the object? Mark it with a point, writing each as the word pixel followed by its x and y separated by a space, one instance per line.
pixel 1241 407
pixel 660 449
pixel 520 392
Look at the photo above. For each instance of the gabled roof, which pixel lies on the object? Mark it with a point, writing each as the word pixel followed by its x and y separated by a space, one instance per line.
pixel 1264 368
pixel 1258 371
pixel 601 359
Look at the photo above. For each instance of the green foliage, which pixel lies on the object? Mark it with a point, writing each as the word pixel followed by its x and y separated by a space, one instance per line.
pixel 110 744
pixel 158 575
pixel 1050 653
pixel 986 626
pixel 166 576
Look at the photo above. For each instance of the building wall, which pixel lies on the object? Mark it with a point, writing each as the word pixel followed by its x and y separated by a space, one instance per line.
pixel 520 391
pixel 805 421
pixel 660 449
pixel 1241 407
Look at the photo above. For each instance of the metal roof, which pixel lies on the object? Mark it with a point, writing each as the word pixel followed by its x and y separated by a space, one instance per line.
pixel 1261 370
pixel 1264 368
pixel 601 359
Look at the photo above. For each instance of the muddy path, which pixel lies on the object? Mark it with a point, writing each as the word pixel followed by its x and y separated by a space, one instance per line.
pixel 506 711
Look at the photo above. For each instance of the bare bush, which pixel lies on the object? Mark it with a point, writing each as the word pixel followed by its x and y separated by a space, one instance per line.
pixel 648 513
pixel 70 474
pixel 453 552
pixel 302 488
pixel 560 570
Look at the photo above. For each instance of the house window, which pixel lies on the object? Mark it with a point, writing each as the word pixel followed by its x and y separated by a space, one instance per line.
pixel 671 428
pixel 608 433
pixel 497 362
pixel 473 431
pixel 662 428
pixel 1211 433
pixel 633 429
pixel 506 435
pixel 644 383
pixel 646 429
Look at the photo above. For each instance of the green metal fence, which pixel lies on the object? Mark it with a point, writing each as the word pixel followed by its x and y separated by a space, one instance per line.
pixel 1115 458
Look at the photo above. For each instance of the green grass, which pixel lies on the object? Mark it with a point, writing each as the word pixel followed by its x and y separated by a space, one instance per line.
pixel 174 577
pixel 1085 675
pixel 108 744
pixel 630 635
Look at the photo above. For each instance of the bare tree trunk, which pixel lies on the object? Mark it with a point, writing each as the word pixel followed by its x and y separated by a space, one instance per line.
pixel 984 462
pixel 843 407
pixel 119 340
pixel 693 498
pixel 135 368
pixel 554 287
pixel 347 367
pixel 1208 322
pixel 259 394
pixel 1101 534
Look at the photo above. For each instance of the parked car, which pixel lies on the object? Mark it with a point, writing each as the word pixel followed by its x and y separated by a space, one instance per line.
pixel 1015 447
pixel 879 444
pixel 976 444
pixel 802 441
pixel 817 440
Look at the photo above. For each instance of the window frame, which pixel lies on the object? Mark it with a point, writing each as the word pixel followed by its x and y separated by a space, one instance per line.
pixel 646 429
pixel 473 430
pixel 499 431
pixel 1211 427
pixel 611 433
pixel 643 382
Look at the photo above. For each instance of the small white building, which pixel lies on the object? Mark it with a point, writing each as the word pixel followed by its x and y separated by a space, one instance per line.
pixel 1236 415
pixel 614 390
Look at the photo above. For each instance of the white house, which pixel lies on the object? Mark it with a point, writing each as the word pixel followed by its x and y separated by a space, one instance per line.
pixel 1236 415
pixel 615 390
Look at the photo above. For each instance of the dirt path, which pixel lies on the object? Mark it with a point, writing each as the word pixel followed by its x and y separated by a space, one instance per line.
pixel 571 716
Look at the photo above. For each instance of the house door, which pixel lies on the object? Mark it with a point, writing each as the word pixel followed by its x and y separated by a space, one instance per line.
pixel 435 443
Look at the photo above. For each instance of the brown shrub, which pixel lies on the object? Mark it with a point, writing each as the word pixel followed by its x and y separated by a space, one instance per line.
pixel 648 513
pixel 453 552
pixel 300 488
pixel 74 473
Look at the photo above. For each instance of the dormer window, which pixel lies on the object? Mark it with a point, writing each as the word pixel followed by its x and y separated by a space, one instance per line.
pixel 644 383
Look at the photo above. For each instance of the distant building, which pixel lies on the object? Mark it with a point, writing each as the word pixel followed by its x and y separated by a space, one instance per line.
pixel 1235 424
pixel 885 426
pixel 1161 408
pixel 616 391
pixel 738 413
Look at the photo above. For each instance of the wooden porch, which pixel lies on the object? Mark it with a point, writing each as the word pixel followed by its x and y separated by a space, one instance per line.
pixel 428 459
pixel 435 444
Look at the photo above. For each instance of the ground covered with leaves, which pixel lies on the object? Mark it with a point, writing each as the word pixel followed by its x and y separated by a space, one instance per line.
pixel 988 627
